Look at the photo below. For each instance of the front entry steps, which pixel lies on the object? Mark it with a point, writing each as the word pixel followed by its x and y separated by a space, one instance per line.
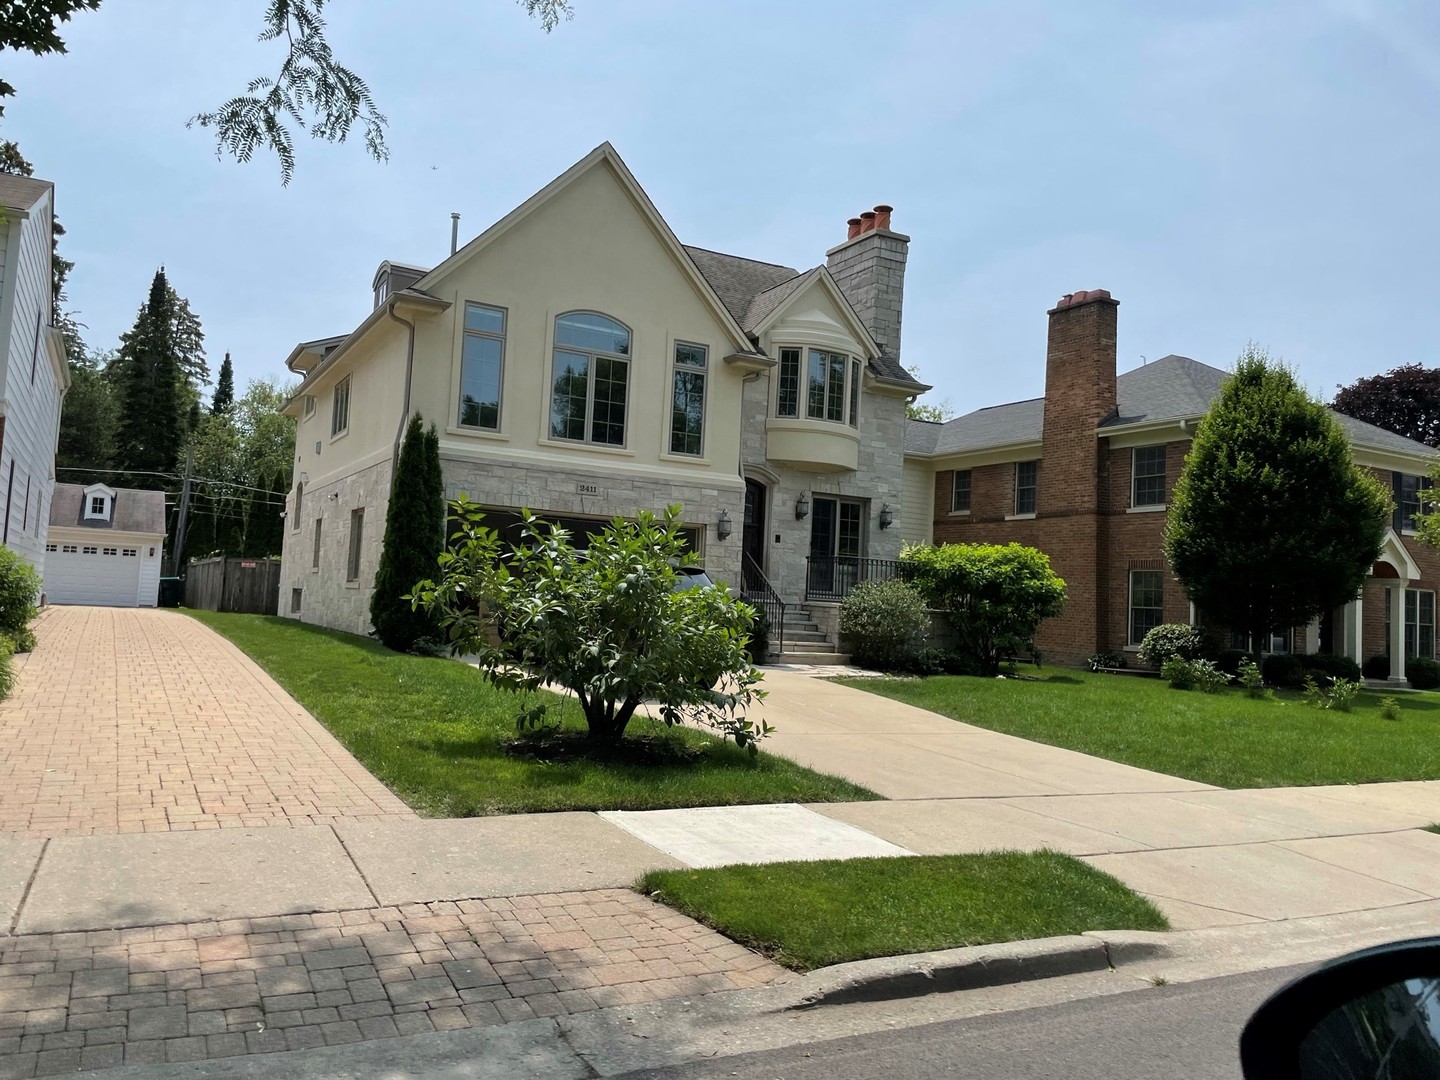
pixel 806 641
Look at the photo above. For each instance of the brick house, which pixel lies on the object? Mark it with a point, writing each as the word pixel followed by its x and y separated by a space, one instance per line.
pixel 1085 472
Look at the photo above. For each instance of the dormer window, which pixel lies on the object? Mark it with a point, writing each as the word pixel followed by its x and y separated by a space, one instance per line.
pixel 99 500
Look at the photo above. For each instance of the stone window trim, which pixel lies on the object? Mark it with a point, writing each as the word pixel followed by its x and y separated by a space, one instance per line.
pixel 299 501
pixel 792 385
pixel 696 367
pixel 482 332
pixel 356 548
pixel 315 551
pixel 593 356
pixel 340 410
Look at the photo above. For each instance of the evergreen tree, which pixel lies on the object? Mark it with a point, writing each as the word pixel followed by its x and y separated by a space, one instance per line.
pixel 265 530
pixel 189 343
pixel 1271 521
pixel 89 418
pixel 414 538
pixel 224 397
pixel 152 423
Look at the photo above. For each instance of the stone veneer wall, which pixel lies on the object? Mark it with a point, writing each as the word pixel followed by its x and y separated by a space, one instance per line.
pixel 878 480
pixel 327 599
pixel 555 488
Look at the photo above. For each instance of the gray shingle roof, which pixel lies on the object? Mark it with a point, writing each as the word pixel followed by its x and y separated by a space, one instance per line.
pixel 767 301
pixel 135 511
pixel 21 192
pixel 1171 388
pixel 738 281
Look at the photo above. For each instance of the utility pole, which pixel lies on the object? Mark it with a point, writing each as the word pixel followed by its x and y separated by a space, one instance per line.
pixel 183 517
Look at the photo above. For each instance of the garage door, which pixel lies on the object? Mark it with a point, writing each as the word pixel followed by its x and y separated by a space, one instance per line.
pixel 104 574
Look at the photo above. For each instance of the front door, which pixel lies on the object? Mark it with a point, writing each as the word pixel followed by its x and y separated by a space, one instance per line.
pixel 753 532
pixel 836 537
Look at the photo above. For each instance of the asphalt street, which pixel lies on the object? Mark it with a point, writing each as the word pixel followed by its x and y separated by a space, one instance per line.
pixel 1188 1032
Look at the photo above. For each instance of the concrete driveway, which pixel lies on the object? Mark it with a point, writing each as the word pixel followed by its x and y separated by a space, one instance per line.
pixel 129 720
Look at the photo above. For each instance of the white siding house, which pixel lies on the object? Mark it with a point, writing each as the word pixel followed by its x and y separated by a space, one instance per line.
pixel 105 546
pixel 33 373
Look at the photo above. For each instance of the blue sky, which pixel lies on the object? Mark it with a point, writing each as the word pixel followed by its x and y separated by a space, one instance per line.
pixel 1230 171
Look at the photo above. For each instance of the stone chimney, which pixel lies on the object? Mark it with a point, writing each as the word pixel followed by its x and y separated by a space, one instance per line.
pixel 869 267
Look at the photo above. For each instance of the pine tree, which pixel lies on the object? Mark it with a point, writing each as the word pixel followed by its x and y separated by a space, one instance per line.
pixel 414 537
pixel 152 424
pixel 224 397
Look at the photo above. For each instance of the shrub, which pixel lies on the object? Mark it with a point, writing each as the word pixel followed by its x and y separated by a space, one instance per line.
pixel 1342 694
pixel 19 588
pixel 1106 660
pixel 1179 673
pixel 7 669
pixel 1390 708
pixel 414 538
pixel 1331 665
pixel 996 595
pixel 1423 674
pixel 1231 660
pixel 1250 678
pixel 25 640
pixel 1174 639
pixel 758 646
pixel 606 623
pixel 1283 669
pixel 1376 667
pixel 1208 678
pixel 885 623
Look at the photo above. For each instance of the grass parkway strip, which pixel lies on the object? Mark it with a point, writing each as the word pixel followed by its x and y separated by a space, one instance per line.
pixel 440 737
pixel 1226 739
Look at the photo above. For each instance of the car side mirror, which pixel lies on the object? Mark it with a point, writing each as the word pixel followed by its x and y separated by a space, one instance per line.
pixel 1371 1015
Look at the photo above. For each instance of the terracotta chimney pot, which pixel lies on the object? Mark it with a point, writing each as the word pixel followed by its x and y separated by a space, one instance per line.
pixel 867 221
pixel 854 224
pixel 882 216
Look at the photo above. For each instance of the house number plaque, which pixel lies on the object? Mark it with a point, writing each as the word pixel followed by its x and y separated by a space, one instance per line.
pixel 583 488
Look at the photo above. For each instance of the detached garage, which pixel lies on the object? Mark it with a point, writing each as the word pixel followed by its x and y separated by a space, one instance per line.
pixel 104 546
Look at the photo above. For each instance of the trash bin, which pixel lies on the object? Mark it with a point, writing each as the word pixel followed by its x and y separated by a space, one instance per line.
pixel 171 589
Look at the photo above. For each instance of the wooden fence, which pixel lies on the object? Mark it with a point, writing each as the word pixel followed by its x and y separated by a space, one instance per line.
pixel 220 584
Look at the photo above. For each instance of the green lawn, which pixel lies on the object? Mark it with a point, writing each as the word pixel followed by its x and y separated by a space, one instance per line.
pixel 809 914
pixel 1226 739
pixel 433 731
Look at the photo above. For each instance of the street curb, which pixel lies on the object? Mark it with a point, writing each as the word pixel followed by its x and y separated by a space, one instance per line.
pixel 969 968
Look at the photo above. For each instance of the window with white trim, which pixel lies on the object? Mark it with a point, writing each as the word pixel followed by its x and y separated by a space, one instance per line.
pixel 482 366
pixel 309 406
pixel 69 549
pixel 855 393
pixel 788 401
pixel 1027 480
pixel 129 553
pixel 960 492
pixel 98 504
pixel 1408 505
pixel 52 547
pixel 590 381
pixel 1147 476
pixel 90 551
pixel 110 551
pixel 687 399
pixel 825 386
pixel 1419 623
pixel 340 408
pixel 1147 603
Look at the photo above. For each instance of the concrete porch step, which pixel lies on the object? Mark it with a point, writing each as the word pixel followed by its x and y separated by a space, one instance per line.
pixel 805 635
pixel 791 656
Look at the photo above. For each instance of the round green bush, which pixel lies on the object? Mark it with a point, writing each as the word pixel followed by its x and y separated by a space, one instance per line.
pixel 1377 666
pixel 1169 640
pixel 1423 674
pixel 1283 669
pixel 19 588
pixel 885 622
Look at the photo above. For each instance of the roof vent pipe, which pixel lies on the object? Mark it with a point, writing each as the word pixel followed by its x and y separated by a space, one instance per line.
pixel 454 232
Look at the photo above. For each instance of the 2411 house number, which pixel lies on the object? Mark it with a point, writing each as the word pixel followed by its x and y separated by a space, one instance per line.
pixel 583 488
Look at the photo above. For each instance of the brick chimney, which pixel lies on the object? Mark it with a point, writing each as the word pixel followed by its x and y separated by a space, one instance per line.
pixel 869 267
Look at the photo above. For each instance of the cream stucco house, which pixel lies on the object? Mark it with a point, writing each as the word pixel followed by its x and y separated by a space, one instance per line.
pixel 580 361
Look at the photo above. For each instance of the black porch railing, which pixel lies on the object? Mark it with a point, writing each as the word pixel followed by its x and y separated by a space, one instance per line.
pixel 830 577
pixel 756 590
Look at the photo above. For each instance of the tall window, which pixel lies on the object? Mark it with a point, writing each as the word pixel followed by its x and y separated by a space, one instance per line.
pixel 591 379
pixel 687 403
pixel 1147 486
pixel 825 386
pixel 1027 474
pixel 309 406
pixel 482 358
pixel 299 498
pixel 1147 603
pixel 357 532
pixel 1407 499
pixel 855 393
pixel 1419 623
pixel 960 491
pixel 315 555
pixel 788 403
pixel 340 410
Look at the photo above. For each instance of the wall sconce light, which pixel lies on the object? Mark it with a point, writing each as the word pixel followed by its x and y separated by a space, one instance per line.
pixel 722 525
pixel 333 496
pixel 802 507
pixel 887 516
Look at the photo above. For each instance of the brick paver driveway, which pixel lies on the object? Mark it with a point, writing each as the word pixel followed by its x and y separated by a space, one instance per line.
pixel 138 720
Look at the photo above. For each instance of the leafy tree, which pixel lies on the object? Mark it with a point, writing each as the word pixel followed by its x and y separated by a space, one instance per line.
pixel 414 539
pixel 148 377
pixel 224 398
pixel 33 26
pixel 996 595
pixel 937 412
pixel 1271 521
pixel 1405 400
pixel 606 623
pixel 90 417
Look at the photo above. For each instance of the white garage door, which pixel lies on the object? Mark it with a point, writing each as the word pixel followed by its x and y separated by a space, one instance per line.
pixel 105 574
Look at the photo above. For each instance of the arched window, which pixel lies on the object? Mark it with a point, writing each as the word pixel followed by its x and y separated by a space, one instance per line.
pixel 299 496
pixel 590 380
